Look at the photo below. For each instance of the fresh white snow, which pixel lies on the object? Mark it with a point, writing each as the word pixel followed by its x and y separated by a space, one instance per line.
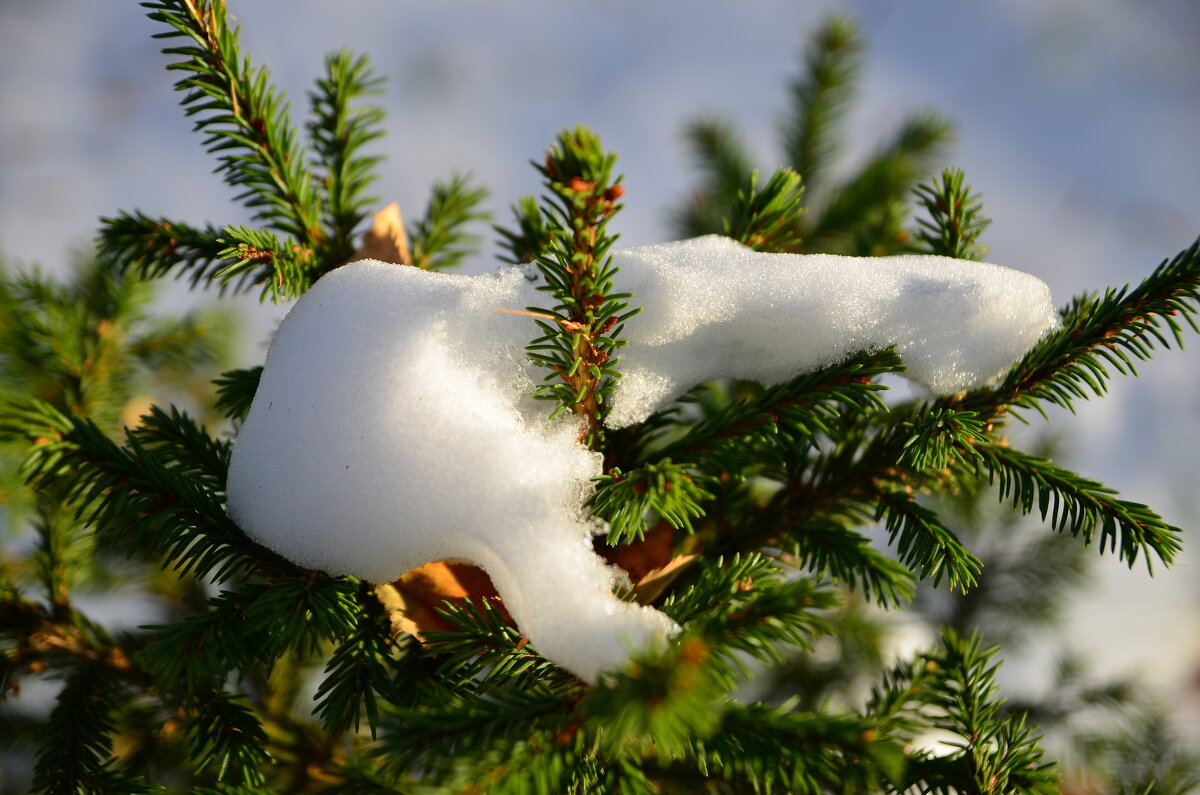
pixel 393 427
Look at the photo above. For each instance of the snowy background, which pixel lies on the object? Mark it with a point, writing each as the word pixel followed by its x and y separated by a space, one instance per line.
pixel 1077 121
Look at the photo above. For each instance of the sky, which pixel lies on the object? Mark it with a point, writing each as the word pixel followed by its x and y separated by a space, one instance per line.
pixel 1076 120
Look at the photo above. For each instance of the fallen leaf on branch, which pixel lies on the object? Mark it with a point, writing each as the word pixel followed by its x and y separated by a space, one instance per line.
pixel 386 240
pixel 413 600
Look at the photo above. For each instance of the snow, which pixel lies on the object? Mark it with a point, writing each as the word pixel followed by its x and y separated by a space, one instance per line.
pixel 393 427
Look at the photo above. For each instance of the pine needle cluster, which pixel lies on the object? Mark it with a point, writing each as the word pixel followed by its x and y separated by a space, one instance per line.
pixel 743 512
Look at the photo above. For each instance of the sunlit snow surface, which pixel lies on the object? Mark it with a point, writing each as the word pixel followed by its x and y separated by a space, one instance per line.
pixel 393 427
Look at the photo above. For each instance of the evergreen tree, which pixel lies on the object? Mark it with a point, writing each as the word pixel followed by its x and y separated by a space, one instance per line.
pixel 742 512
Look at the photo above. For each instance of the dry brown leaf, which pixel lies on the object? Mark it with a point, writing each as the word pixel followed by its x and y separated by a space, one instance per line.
pixel 386 240
pixel 653 562
pixel 653 551
pixel 412 601
pixel 651 586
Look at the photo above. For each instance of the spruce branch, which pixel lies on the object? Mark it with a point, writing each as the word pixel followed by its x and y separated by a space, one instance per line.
pixel 830 549
pixel 998 755
pixel 227 736
pixel 631 501
pixel 438 239
pixel 339 129
pixel 448 726
pixel 235 391
pixel 789 415
pixel 357 674
pixel 1080 506
pixel 661 704
pixel 155 246
pixel 257 256
pixel 725 169
pixel 767 220
pixel 746 607
pixel 532 236
pixel 769 749
pixel 925 544
pixel 139 500
pixel 955 217
pixel 481 646
pixel 578 272
pixel 245 120
pixel 1098 333
pixel 938 436
pixel 76 755
pixel 864 215
pixel 820 96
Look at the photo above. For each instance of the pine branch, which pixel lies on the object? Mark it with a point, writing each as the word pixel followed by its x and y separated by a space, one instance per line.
pixel 450 725
pixel 482 646
pixel 257 256
pixel 139 500
pixel 174 436
pixel 871 204
pixel 632 501
pixel 777 750
pixel 938 436
pixel 661 704
pixel 531 238
pixel 438 239
pixel 244 118
pixel 924 543
pixel 1079 506
pixel 235 391
pixel 578 272
pixel 955 217
pixel 339 130
pixel 746 607
pixel 249 628
pixel 225 734
pixel 999 755
pixel 820 96
pixel 788 415
pixel 153 247
pixel 76 755
pixel 766 220
pixel 1102 332
pixel 725 169
pixel 356 675
pixel 829 549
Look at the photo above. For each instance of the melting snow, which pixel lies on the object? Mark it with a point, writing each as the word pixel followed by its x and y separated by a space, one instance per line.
pixel 393 427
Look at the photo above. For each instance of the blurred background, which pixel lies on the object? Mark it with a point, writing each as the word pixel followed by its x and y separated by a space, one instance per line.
pixel 1076 120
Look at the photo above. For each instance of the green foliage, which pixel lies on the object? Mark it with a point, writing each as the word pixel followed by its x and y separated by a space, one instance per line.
pixel 766 220
pixel 631 501
pixel 1103 332
pixel 925 544
pixel 532 235
pixel 77 756
pixel 310 200
pixel 863 215
pixel 955 217
pixel 578 343
pixel 357 674
pixel 438 239
pixel 339 130
pixel 235 391
pixel 771 492
pixel 993 754
pixel 820 97
pixel 1080 506
pixel 941 435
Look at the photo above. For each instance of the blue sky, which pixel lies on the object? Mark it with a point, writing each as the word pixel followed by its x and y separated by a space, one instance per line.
pixel 1077 121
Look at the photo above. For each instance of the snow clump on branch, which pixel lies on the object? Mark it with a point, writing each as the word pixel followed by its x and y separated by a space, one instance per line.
pixel 392 426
